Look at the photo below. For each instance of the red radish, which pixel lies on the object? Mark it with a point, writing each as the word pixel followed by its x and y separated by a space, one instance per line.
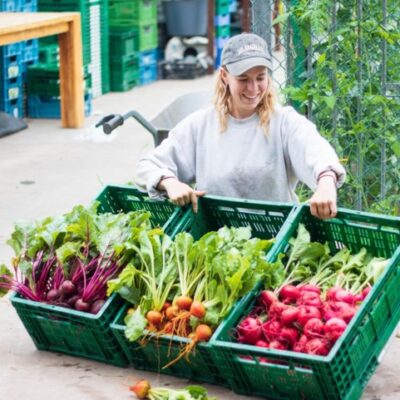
pixel 276 309
pixel 262 343
pixel 289 294
pixel 339 294
pixel 172 311
pixel 317 346
pixel 309 298
pixel 97 306
pixel 289 315
pixel 249 330
pixel 288 336
pixel 331 293
pixel 277 345
pixel 299 346
pixel 197 309
pixel 67 288
pixel 365 291
pixel 338 309
pixel 313 328
pixel 154 317
pixel 267 298
pixel 183 302
pixel 82 305
pixel 271 329
pixel 309 288
pixel 334 328
pixel 306 313
pixel 358 298
pixel 141 389
pixel 203 333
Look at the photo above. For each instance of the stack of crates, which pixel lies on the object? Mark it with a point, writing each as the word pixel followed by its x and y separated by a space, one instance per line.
pixel 133 43
pixel 14 60
pixel 43 86
pixel 222 21
pixel 95 42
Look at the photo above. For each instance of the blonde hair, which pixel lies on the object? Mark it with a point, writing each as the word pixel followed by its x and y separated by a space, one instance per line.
pixel 223 101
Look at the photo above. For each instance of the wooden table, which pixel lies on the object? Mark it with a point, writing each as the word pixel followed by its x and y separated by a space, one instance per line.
pixel 16 27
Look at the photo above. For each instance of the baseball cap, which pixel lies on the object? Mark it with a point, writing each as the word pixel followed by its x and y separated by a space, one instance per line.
pixel 245 51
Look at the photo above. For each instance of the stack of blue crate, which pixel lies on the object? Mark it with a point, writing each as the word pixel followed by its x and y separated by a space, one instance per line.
pixel 148 66
pixel 14 60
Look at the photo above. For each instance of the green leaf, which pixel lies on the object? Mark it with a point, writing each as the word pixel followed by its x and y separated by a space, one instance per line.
pixel 4 271
pixel 135 325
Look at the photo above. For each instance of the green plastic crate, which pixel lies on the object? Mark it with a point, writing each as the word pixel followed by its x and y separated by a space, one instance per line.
pixel 344 373
pixel 123 198
pixel 133 12
pixel 122 43
pixel 72 332
pixel 223 31
pixel 124 75
pixel 266 220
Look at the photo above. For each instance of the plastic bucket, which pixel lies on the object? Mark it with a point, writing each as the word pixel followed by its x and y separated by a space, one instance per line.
pixel 186 17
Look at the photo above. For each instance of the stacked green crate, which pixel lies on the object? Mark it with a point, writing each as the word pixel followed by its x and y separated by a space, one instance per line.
pixel 133 30
pixel 124 62
pixel 43 85
pixel 94 19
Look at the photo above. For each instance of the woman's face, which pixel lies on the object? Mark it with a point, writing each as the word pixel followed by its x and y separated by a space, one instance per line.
pixel 246 90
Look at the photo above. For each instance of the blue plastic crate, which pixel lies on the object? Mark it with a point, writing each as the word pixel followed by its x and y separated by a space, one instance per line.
pixel 224 19
pixel 31 50
pixel 10 67
pixel 10 88
pixel 10 5
pixel 13 107
pixel 148 74
pixel 220 42
pixel 148 57
pixel 29 5
pixel 218 57
pixel 10 50
pixel 50 107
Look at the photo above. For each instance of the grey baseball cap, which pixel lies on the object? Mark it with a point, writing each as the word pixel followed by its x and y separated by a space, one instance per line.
pixel 245 51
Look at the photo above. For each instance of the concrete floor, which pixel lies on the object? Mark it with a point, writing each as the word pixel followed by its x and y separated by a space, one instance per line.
pixel 46 170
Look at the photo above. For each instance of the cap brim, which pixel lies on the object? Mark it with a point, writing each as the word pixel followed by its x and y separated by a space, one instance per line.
pixel 240 67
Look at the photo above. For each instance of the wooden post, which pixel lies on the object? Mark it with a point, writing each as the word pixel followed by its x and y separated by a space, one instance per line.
pixel 71 75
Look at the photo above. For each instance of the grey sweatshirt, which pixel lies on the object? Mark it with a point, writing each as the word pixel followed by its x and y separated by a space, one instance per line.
pixel 243 161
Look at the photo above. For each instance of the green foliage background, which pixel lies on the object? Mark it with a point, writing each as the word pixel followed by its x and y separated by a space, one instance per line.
pixel 343 71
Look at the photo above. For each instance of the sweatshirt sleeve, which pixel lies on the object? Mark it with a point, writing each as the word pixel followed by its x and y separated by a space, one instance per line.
pixel 309 153
pixel 174 157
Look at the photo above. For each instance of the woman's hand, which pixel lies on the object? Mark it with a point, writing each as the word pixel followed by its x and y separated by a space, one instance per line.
pixel 323 201
pixel 180 193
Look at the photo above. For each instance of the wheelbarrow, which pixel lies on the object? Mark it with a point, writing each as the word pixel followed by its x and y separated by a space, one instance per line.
pixel 163 122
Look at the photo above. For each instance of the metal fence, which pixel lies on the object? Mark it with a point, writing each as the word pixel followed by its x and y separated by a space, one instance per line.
pixel 338 62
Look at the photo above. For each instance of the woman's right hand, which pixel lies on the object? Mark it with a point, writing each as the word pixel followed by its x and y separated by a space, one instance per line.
pixel 180 193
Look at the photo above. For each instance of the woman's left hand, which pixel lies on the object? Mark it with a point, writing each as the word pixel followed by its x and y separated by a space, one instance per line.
pixel 323 201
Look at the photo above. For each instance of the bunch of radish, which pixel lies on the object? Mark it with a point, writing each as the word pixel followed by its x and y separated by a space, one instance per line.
pixel 299 318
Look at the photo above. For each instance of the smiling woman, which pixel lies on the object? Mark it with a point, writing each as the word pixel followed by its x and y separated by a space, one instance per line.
pixel 246 146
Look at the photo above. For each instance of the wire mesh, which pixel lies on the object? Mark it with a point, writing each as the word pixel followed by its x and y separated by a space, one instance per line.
pixel 335 61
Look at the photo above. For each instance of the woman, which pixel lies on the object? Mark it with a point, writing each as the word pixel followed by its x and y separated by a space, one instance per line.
pixel 246 146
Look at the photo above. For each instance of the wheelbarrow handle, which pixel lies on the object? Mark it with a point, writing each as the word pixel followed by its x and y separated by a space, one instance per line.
pixel 113 123
pixel 142 121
